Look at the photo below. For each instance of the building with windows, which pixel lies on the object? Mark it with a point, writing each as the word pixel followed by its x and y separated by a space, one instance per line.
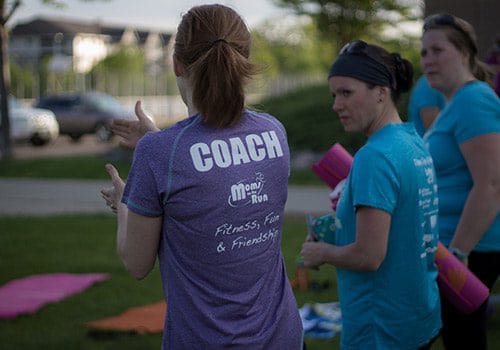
pixel 79 45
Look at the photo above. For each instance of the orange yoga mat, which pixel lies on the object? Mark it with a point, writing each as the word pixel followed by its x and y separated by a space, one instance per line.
pixel 142 319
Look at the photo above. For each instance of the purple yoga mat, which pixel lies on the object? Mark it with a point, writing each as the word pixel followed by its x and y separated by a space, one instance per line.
pixel 27 295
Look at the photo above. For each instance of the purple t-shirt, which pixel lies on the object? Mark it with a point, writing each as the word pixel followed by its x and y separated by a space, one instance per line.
pixel 222 194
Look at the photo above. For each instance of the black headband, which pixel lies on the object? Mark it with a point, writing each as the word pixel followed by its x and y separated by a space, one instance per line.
pixel 362 67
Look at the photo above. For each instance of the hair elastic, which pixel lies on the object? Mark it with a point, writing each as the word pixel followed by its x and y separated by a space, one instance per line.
pixel 218 41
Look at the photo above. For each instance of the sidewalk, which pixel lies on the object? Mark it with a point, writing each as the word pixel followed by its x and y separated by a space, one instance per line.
pixel 36 197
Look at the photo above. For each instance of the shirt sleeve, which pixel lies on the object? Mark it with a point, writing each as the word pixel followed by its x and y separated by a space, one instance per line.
pixel 141 193
pixel 479 115
pixel 375 181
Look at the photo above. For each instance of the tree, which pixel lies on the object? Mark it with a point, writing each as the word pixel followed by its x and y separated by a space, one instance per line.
pixel 126 60
pixel 118 70
pixel 345 20
pixel 282 47
pixel 5 14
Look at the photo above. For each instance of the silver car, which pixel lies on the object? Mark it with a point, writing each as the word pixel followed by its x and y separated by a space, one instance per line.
pixel 85 113
pixel 35 125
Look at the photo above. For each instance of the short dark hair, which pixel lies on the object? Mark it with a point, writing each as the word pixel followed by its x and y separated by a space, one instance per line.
pixel 375 66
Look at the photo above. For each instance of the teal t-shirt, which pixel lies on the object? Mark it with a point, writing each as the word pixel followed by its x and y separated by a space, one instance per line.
pixel 422 96
pixel 397 306
pixel 474 110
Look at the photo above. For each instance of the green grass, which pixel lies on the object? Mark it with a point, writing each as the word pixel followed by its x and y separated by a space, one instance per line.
pixel 65 167
pixel 92 167
pixel 75 244
pixel 86 244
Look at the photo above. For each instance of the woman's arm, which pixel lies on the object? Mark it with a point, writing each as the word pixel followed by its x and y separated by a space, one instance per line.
pixel 428 115
pixel 482 154
pixel 138 236
pixel 137 241
pixel 366 253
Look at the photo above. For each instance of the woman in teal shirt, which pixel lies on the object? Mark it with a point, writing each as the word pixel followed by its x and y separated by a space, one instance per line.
pixel 386 232
pixel 464 142
pixel 424 105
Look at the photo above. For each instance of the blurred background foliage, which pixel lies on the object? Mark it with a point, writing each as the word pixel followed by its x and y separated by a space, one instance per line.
pixel 341 21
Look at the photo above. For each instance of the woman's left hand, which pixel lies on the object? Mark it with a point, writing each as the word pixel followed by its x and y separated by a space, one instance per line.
pixel 113 195
pixel 335 194
pixel 312 253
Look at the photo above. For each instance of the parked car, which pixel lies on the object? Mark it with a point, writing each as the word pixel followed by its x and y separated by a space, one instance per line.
pixel 85 113
pixel 35 125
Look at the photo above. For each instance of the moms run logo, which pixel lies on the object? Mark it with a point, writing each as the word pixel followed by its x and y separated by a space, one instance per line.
pixel 248 192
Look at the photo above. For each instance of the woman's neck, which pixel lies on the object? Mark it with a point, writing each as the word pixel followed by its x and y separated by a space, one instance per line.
pixel 466 79
pixel 186 92
pixel 191 109
pixel 388 116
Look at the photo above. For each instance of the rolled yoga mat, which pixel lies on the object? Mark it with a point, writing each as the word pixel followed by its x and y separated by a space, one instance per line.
pixel 460 286
pixel 334 166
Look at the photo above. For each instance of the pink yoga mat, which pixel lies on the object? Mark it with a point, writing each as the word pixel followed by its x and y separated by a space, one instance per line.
pixel 27 295
pixel 334 166
pixel 460 286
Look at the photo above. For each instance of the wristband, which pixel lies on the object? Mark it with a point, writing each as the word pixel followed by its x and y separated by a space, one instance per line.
pixel 458 253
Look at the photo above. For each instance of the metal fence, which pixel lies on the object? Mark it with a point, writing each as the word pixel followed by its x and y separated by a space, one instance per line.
pixel 158 93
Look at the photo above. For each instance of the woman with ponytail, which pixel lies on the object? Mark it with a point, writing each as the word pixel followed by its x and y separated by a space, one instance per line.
pixel 464 142
pixel 386 228
pixel 207 197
